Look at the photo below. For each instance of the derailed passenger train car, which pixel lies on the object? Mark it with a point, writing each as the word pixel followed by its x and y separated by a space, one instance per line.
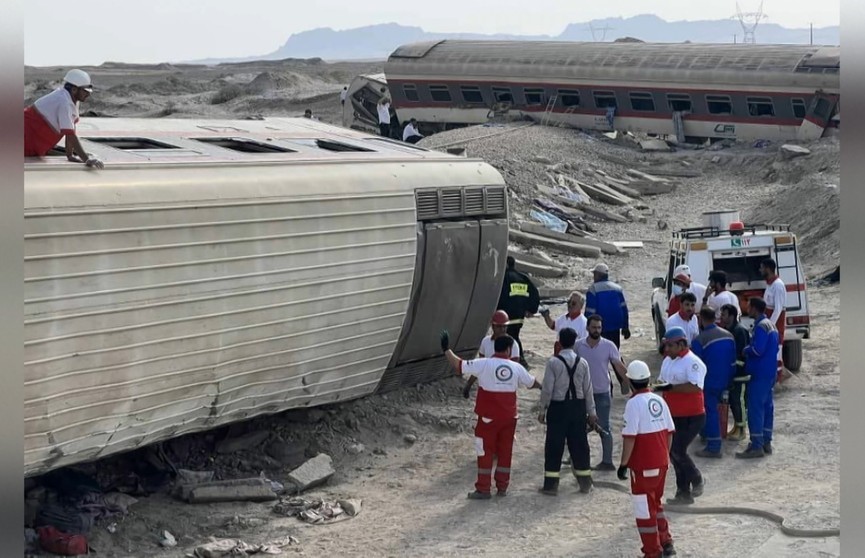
pixel 744 91
pixel 219 270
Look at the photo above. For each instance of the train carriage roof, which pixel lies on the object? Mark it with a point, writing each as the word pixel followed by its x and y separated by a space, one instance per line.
pixel 642 61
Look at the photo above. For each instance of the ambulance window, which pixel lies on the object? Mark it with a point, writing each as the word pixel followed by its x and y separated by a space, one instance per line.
pixel 740 269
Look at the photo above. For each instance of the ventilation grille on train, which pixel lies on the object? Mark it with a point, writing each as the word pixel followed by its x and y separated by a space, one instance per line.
pixel 446 203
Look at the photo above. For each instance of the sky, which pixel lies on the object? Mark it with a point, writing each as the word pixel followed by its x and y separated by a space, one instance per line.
pixel 90 32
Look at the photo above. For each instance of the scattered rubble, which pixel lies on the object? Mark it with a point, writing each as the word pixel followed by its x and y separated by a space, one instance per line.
pixel 250 490
pixel 314 472
pixel 790 151
pixel 220 548
pixel 318 511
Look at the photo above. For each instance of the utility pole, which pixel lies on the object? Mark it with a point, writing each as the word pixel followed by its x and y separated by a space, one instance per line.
pixel 812 33
pixel 734 38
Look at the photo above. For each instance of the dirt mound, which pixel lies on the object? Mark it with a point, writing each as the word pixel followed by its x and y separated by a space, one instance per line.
pixel 269 81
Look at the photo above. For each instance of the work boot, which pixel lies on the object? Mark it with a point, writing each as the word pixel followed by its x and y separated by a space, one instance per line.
pixel 737 434
pixel 767 448
pixel 604 467
pixel 751 452
pixel 681 499
pixel 501 493
pixel 585 484
pixel 479 495
pixel 697 489
pixel 669 550
pixel 550 487
pixel 708 453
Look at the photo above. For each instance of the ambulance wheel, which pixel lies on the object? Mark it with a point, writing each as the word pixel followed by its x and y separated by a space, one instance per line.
pixel 792 354
pixel 660 330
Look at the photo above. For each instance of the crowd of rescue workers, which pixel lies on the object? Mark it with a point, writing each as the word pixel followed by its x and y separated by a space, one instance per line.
pixel 711 362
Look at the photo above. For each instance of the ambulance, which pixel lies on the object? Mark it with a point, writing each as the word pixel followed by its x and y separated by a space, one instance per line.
pixel 727 244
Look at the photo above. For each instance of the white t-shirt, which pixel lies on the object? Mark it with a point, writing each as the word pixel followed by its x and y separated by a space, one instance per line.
pixel 342 95
pixel 688 369
pixel 776 299
pixel 692 328
pixel 488 348
pixel 384 113
pixel 578 324
pixel 59 110
pixel 409 131
pixel 716 301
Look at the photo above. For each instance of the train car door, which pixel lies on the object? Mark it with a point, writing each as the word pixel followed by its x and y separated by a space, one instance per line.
pixel 817 117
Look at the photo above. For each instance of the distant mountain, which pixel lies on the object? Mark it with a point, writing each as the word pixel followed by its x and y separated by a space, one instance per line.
pixel 377 42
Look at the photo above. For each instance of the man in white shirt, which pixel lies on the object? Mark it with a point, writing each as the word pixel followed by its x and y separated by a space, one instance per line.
pixel 499 324
pixel 410 133
pixel 776 303
pixel 384 116
pixel 717 294
pixel 573 318
pixel 686 317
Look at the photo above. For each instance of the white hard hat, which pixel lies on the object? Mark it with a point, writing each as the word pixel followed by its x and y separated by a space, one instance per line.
pixel 601 268
pixel 682 269
pixel 79 78
pixel 638 370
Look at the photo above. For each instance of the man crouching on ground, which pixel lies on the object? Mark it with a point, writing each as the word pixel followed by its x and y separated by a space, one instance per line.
pixel 496 406
pixel 567 403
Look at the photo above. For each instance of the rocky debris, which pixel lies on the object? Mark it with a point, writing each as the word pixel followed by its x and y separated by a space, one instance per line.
pixel 654 145
pixel 235 490
pixel 410 438
pixel 167 540
pixel 185 476
pixel 559 245
pixel 317 510
pixel 790 151
pixel 245 442
pixel 356 449
pixel 314 472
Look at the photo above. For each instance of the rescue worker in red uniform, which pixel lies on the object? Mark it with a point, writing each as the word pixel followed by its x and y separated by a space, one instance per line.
pixel 567 406
pixel 776 302
pixel 647 435
pixel 499 378
pixel 499 324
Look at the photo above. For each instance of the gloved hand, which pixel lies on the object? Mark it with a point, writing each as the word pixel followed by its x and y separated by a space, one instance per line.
pixel 467 391
pixel 622 472
pixel 626 333
pixel 93 162
pixel 445 340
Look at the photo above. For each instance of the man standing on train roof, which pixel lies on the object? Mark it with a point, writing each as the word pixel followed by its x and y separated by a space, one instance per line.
pixel 496 407
pixel 716 347
pixel 383 107
pixel 717 294
pixel 775 297
pixel 520 299
pixel 682 282
pixel 606 299
pixel 573 319
pixel 499 324
pixel 54 116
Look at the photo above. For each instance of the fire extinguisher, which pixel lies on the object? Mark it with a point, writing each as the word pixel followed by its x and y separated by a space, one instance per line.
pixel 724 412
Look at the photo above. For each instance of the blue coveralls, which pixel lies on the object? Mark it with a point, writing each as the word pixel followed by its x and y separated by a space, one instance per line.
pixel 761 363
pixel 716 347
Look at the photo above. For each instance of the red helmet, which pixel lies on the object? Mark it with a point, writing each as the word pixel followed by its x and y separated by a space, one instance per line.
pixel 500 318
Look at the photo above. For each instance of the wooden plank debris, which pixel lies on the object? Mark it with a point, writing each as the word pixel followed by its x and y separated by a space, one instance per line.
pixel 534 228
pixel 623 190
pixel 601 213
pixel 628 243
pixel 567 247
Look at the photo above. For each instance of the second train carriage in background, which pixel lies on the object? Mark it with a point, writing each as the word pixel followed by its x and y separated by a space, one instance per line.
pixel 218 270
pixel 774 92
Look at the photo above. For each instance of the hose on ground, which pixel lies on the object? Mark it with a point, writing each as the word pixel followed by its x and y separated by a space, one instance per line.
pixel 735 510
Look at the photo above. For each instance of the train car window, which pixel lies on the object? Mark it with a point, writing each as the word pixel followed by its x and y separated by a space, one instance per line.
pixel 410 92
pixel 719 104
pixel 569 97
pixel 245 145
pixel 822 108
pixel 534 96
pixel 799 109
pixel 127 144
pixel 760 106
pixel 642 102
pixel 503 95
pixel 604 99
pixel 679 102
pixel 440 93
pixel 472 94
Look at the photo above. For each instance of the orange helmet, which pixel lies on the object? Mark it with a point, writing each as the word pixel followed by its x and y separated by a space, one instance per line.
pixel 500 318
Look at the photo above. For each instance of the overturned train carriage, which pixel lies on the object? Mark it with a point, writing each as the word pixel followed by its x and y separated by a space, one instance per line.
pixel 215 271
pixel 702 91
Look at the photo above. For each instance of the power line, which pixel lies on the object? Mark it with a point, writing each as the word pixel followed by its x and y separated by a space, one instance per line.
pixel 749 22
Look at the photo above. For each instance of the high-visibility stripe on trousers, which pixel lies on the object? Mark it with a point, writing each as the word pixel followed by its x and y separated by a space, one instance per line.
pixel 647 492
pixel 494 439
pixel 566 424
